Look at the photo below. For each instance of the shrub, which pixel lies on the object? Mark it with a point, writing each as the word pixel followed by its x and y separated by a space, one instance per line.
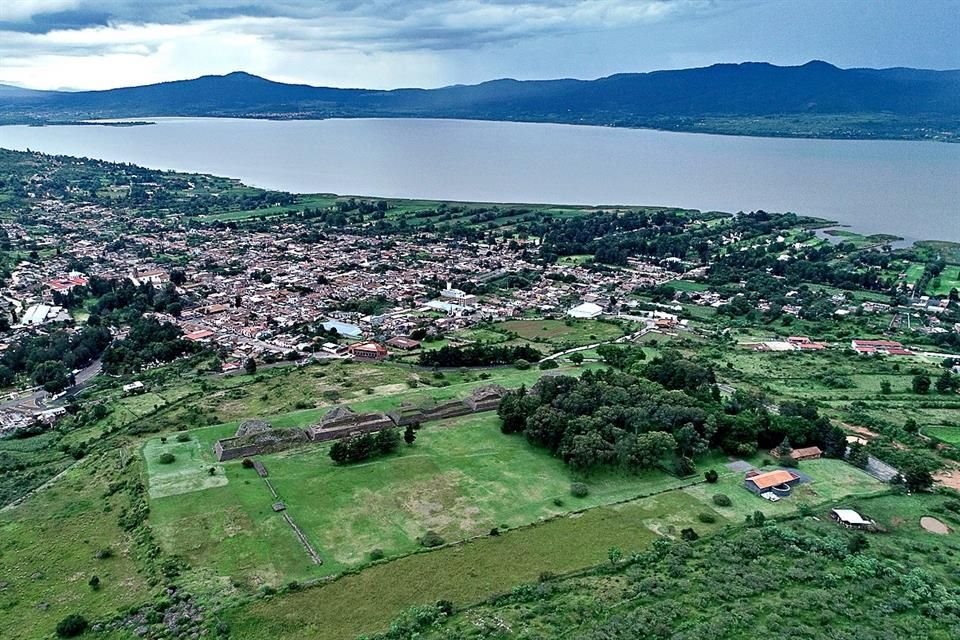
pixel 377 554
pixel 431 539
pixel 183 437
pixel 494 532
pixel 247 463
pixel 711 476
pixel 166 458
pixel 521 364
pixel 706 517
pixel 689 535
pixel 103 554
pixel 579 490
pixel 548 364
pixel 94 583
pixel 558 502
pixel 445 607
pixel 72 626
pixel 721 500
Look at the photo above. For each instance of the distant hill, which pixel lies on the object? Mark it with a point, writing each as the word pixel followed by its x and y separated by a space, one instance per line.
pixel 814 99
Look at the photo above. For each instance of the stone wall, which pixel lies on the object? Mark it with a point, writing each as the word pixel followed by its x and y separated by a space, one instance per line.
pixel 341 422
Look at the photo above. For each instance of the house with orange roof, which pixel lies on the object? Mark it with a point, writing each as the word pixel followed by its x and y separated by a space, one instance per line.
pixel 780 482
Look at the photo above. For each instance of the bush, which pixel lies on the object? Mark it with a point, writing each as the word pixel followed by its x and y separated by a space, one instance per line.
pixel 721 500
pixel 579 490
pixel 548 364
pixel 707 518
pixel 166 458
pixel 183 437
pixel 494 532
pixel 521 364
pixel 711 476
pixel 431 539
pixel 689 535
pixel 94 583
pixel 377 554
pixel 558 502
pixel 103 554
pixel 72 626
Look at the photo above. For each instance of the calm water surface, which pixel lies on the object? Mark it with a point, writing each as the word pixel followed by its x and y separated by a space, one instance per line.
pixel 911 189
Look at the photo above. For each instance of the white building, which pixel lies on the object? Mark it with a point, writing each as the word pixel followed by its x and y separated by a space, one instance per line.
pixel 585 310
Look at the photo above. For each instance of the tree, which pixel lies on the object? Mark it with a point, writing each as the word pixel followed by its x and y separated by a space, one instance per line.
pixel 921 384
pixel 250 366
pixel 410 434
pixel 615 555
pixel 911 426
pixel 857 543
pixel 946 383
pixel 858 456
pixel 885 387
pixel 917 478
pixel 72 626
pixel 178 277
pixel 576 358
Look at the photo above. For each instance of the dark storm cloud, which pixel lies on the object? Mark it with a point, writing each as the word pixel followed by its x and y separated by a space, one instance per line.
pixel 384 24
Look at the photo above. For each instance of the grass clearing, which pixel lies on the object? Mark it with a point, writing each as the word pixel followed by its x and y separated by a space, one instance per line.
pixel 562 333
pixel 189 472
pixel 48 547
pixel 368 601
pixel 461 479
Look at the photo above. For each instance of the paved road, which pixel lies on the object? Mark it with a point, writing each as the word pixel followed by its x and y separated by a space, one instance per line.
pixel 35 399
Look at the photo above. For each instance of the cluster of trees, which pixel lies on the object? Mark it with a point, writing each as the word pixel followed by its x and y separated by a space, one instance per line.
pixel 365 446
pixel 148 342
pixel 478 355
pixel 49 360
pixel 121 302
pixel 663 413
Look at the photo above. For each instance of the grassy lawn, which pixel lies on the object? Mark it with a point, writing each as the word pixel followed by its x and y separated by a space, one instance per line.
pixel 562 333
pixel 946 434
pixel 188 472
pixel 948 279
pixel 831 480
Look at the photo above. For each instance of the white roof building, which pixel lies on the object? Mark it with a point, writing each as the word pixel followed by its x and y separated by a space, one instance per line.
pixel 850 517
pixel 585 310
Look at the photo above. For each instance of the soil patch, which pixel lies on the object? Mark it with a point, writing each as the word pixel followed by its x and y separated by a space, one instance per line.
pixel 934 526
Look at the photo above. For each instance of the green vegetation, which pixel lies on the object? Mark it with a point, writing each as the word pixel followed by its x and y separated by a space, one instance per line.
pixel 842 578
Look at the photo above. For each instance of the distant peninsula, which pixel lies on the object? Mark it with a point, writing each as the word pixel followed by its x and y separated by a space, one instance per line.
pixel 814 100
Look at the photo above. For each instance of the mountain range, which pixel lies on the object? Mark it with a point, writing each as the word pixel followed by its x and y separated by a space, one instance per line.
pixel 812 100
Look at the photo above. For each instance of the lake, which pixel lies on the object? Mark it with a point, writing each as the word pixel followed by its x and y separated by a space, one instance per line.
pixel 911 189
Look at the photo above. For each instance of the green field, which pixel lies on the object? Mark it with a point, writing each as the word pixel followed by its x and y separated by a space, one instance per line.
pixel 946 434
pixel 48 552
pixel 948 280
pixel 561 333
pixel 462 478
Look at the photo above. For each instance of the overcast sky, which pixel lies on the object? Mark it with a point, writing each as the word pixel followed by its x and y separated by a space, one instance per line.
pixel 96 44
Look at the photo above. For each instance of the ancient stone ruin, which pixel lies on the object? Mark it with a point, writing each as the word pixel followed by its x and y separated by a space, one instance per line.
pixel 255 437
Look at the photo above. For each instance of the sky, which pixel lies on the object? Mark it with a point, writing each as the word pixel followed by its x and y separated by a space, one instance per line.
pixel 99 44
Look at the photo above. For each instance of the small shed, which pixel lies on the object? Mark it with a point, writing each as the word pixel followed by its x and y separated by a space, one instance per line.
pixel 849 518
